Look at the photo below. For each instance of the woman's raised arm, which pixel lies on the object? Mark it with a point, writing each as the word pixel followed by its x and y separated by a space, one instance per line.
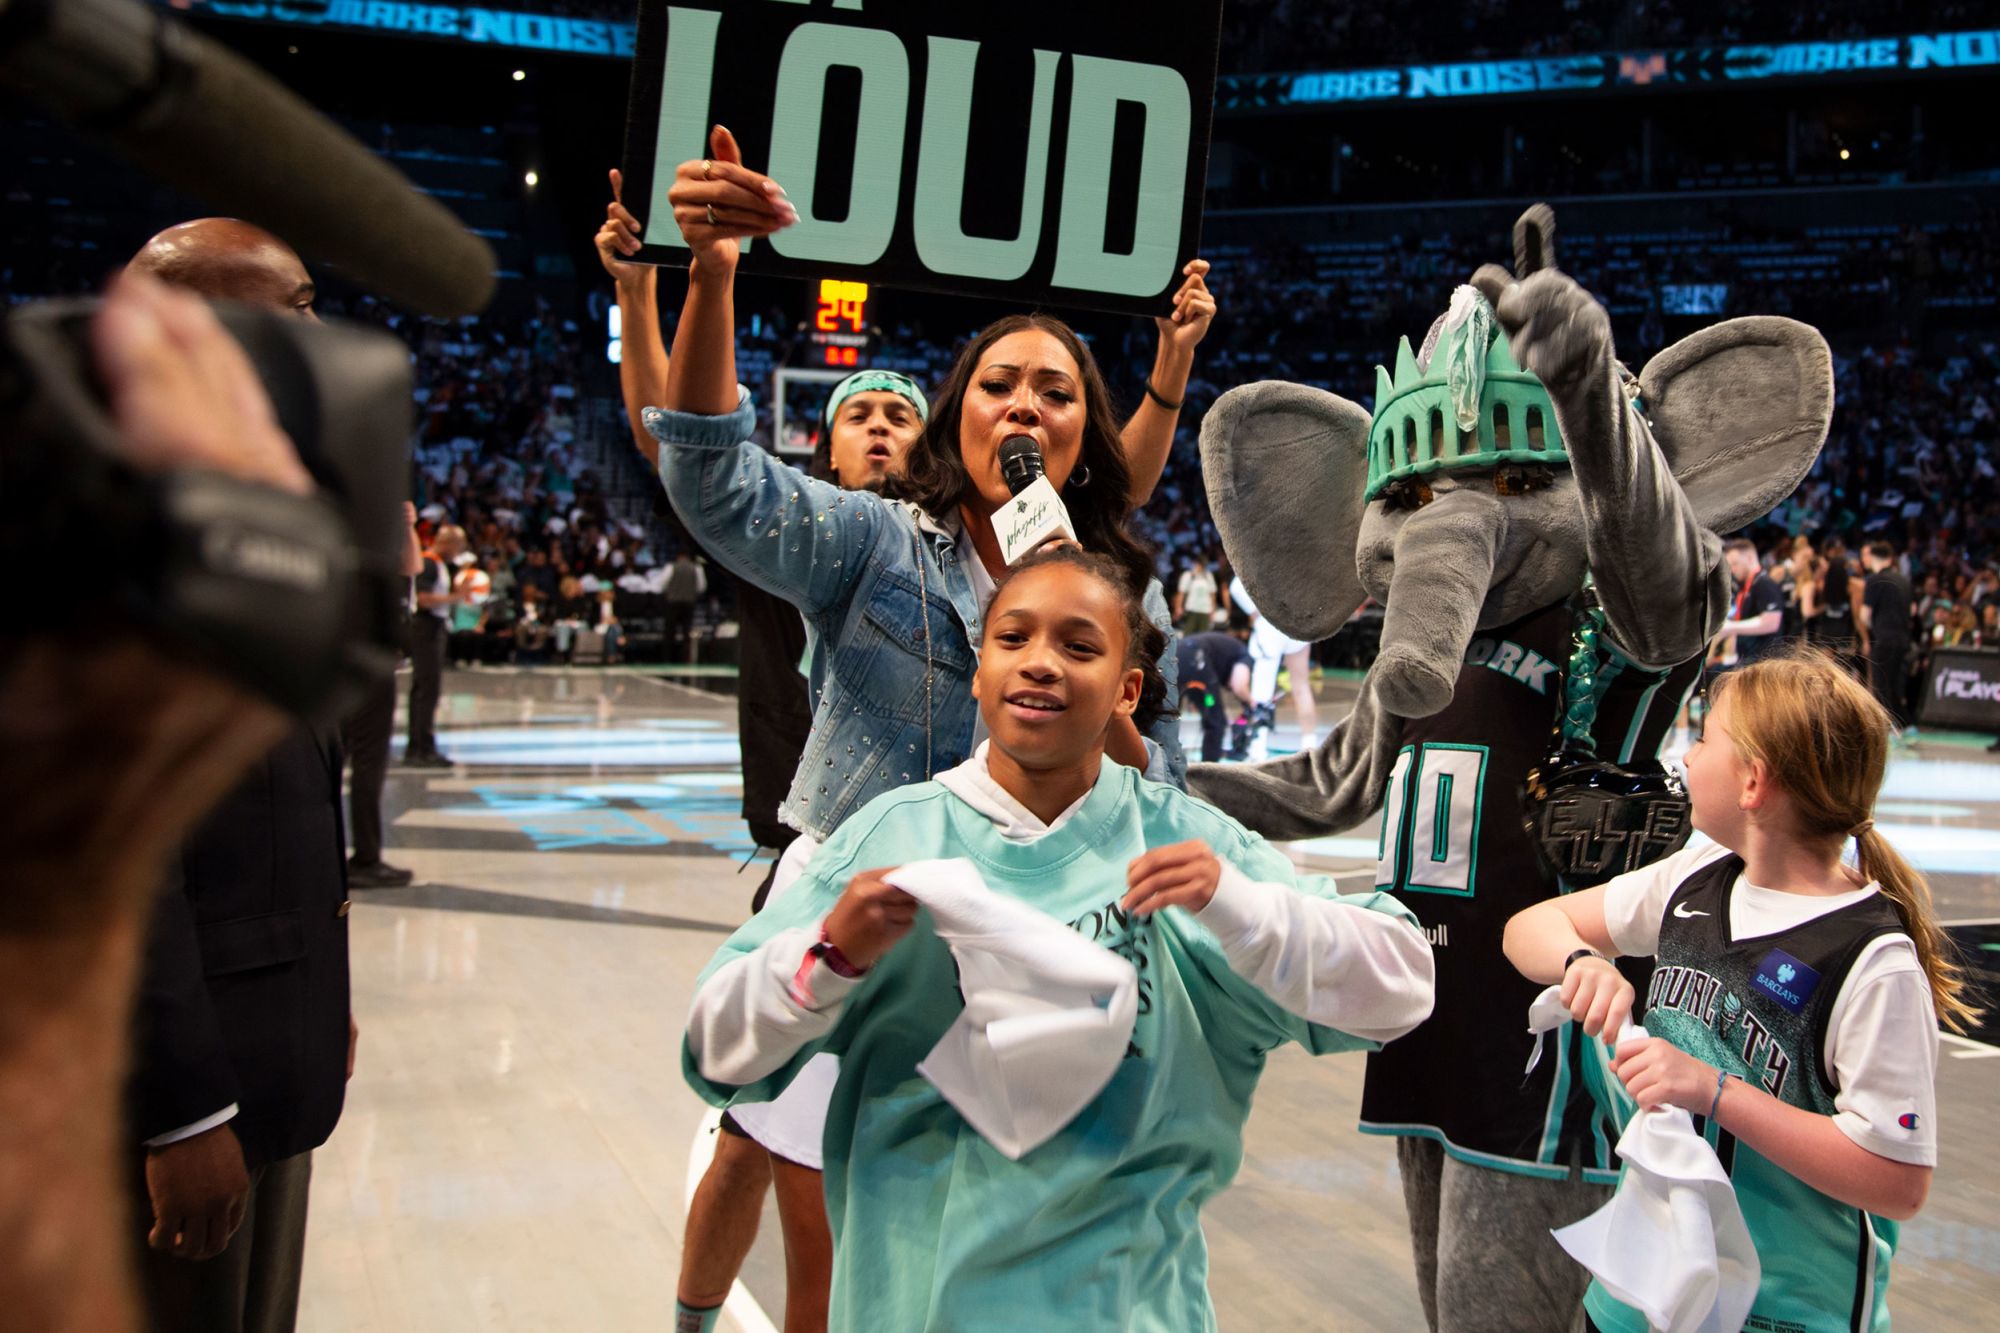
pixel 768 522
pixel 717 202
pixel 1149 436
pixel 642 363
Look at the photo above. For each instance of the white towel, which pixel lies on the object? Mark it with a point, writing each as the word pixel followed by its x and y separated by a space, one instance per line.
pixel 1545 1015
pixel 1672 1243
pixel 1048 1014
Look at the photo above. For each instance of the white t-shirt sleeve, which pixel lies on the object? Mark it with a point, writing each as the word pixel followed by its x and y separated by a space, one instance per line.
pixel 1635 901
pixel 791 866
pixel 1882 1041
pixel 1331 962
pixel 754 1012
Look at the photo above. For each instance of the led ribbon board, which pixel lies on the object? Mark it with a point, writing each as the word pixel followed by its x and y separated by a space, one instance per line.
pixel 1046 153
pixel 460 23
pixel 1613 71
pixel 1605 71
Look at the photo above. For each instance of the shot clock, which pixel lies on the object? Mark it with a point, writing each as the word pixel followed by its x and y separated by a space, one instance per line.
pixel 839 323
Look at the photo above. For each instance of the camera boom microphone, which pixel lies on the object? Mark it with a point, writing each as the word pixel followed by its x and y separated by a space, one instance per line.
pixel 196 116
pixel 1036 514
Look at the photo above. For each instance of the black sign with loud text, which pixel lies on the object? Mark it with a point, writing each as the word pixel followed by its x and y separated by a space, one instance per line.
pixel 1044 152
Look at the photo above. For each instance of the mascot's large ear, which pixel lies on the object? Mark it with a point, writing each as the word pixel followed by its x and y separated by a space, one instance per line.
pixel 1287 467
pixel 1740 410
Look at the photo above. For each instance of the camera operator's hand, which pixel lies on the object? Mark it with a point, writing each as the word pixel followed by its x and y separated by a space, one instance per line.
pixel 163 738
pixel 199 1189
pixel 183 391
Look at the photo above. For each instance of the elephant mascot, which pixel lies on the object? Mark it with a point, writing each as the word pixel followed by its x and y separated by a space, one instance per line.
pixel 1516 487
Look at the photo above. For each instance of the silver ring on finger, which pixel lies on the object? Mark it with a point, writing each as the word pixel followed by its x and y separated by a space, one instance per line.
pixel 706 167
pixel 711 214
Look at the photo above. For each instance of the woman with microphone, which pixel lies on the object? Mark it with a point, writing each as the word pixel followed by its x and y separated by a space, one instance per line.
pixel 894 591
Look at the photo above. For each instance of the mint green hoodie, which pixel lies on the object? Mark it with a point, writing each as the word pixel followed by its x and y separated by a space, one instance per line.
pixel 1099 1228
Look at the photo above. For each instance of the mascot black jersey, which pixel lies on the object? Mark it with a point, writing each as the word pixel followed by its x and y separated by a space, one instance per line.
pixel 1453 849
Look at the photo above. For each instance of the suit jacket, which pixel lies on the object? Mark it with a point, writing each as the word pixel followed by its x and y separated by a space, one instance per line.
pixel 245 993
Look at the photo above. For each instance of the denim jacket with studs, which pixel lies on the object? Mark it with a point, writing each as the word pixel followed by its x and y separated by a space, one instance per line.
pixel 893 617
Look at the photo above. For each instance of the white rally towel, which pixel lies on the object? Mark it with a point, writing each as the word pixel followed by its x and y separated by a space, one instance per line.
pixel 1672 1243
pixel 1048 1014
pixel 1545 1015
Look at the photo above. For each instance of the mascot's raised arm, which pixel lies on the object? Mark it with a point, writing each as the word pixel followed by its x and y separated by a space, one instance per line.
pixel 1541 529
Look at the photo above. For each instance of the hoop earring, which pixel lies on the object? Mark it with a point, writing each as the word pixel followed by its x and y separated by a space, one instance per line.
pixel 1079 482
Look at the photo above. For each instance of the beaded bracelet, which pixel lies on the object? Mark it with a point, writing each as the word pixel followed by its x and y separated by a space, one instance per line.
pixel 1721 1077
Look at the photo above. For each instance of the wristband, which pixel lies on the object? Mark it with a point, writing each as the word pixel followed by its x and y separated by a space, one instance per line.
pixel 1154 394
pixel 829 953
pixel 1721 1077
pixel 1570 961
pixel 822 950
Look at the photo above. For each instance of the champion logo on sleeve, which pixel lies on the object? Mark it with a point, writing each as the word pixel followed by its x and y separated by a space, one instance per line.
pixel 1908 1120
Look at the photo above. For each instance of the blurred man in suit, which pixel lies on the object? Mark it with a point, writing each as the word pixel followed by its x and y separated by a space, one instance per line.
pixel 244 1037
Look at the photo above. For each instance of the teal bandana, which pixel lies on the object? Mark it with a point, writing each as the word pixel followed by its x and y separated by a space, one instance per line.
pixel 878 381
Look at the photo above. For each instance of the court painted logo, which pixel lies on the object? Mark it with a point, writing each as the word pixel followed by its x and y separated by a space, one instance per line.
pixel 705 810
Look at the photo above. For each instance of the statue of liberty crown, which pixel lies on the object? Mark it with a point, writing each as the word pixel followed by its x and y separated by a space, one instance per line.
pixel 1471 407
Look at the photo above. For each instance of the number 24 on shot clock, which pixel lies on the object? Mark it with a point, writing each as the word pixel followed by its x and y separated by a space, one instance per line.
pixel 843 307
pixel 840 321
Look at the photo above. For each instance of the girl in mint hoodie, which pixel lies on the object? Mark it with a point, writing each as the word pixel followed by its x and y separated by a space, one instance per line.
pixel 1235 951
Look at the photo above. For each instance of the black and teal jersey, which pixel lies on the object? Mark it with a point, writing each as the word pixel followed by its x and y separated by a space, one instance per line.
pixel 1454 851
pixel 1759 1008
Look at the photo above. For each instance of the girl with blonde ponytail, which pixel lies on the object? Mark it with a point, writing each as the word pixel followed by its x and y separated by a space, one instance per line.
pixel 1795 1001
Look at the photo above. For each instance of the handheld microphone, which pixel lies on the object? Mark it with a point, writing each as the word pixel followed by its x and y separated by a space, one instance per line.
pixel 190 113
pixel 1037 514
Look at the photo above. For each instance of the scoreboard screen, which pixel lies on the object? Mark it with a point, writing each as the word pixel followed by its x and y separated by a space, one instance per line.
pixel 839 323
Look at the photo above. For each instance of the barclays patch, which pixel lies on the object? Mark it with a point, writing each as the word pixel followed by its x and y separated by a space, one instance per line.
pixel 1786 980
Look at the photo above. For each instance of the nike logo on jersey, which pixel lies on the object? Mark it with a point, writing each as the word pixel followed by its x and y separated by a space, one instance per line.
pixel 1682 911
